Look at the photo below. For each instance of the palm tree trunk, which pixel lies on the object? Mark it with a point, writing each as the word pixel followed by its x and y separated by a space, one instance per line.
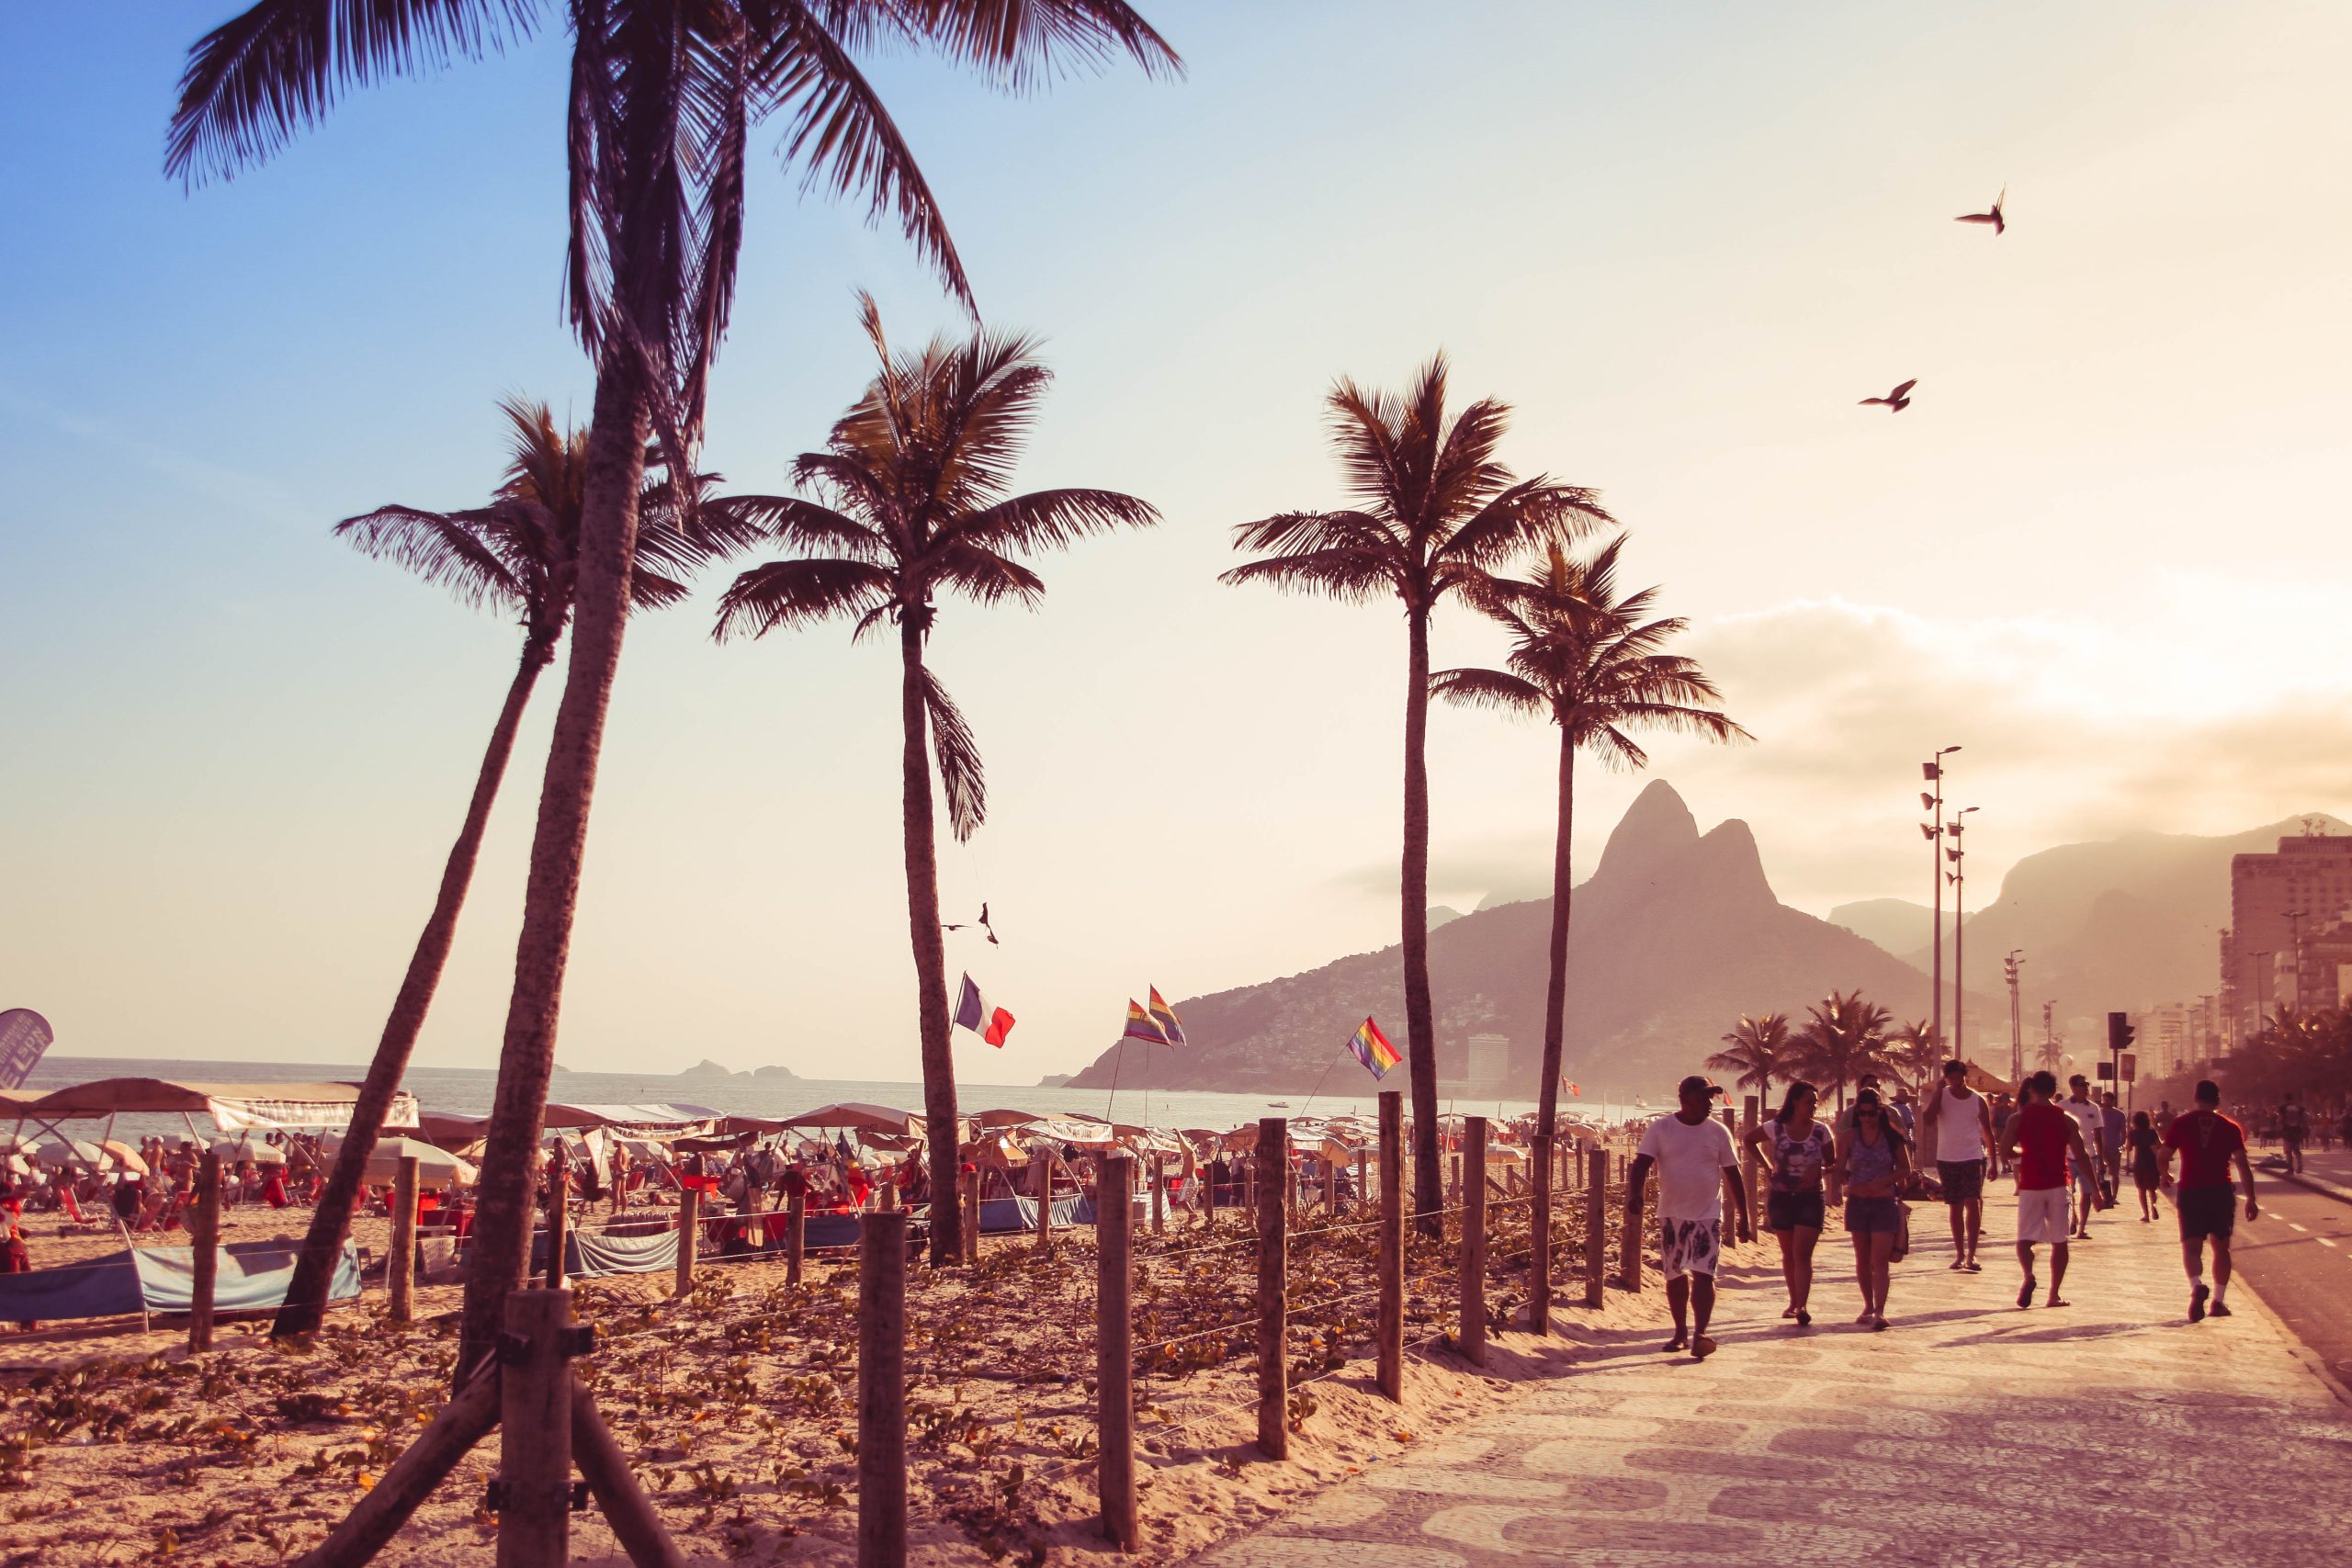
pixel 941 1124
pixel 1420 1028
pixel 499 1250
pixel 1555 998
pixel 306 1295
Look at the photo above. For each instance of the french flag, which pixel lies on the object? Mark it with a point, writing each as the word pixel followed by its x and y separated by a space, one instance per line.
pixel 973 1012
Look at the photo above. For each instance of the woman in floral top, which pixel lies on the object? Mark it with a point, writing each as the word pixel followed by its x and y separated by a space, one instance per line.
pixel 1799 1149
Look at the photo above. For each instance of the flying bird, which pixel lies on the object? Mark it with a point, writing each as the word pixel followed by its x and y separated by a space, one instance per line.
pixel 1897 399
pixel 2000 224
pixel 982 922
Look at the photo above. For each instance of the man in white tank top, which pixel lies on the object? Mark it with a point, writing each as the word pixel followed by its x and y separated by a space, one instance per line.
pixel 1957 1130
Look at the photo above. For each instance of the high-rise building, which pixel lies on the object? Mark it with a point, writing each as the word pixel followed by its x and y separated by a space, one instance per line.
pixel 1489 1061
pixel 2277 903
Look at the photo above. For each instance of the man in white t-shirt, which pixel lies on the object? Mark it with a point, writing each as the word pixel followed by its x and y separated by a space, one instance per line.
pixel 1695 1158
pixel 2085 1113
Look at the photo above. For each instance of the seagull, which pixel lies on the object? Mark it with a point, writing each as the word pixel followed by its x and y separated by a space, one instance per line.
pixel 982 922
pixel 2000 224
pixel 1897 399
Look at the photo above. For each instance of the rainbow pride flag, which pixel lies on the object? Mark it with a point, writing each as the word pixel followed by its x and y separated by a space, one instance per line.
pixel 1372 1048
pixel 1141 1025
pixel 1165 1016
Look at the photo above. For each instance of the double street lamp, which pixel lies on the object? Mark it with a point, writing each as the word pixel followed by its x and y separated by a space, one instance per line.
pixel 1933 772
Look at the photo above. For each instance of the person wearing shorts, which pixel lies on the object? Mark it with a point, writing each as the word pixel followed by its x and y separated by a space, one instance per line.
pixel 2085 1113
pixel 2294 1126
pixel 2206 1144
pixel 1872 1164
pixel 2040 1139
pixel 1798 1149
pixel 1694 1155
pixel 2147 1167
pixel 1958 1126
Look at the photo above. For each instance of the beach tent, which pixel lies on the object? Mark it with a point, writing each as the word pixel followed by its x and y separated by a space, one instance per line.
pixel 252 1277
pixel 232 1107
pixel 858 1117
pixel 1004 1118
pixel 663 1119
pixel 449 1130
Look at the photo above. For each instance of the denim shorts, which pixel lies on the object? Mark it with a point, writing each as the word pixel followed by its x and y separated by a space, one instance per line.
pixel 1874 1217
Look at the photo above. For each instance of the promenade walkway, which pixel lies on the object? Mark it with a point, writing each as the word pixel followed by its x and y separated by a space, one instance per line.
pixel 1970 1435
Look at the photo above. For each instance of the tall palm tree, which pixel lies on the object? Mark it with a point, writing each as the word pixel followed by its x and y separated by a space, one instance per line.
pixel 914 480
pixel 521 555
pixel 663 95
pixel 1582 657
pixel 1844 1038
pixel 1759 1051
pixel 1433 512
pixel 2051 1053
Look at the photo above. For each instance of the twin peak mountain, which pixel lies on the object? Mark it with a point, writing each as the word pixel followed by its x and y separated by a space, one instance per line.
pixel 1673 935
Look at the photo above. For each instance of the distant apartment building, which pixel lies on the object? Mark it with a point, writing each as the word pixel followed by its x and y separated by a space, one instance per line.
pixel 2171 1039
pixel 1487 1061
pixel 2284 945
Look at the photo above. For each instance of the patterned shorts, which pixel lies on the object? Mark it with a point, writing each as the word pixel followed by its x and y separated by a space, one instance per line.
pixel 1692 1246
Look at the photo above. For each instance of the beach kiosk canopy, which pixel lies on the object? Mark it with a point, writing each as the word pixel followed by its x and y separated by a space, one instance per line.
pixel 859 1117
pixel 232 1107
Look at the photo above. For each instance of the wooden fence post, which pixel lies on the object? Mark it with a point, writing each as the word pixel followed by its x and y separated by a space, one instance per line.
pixel 1390 1372
pixel 1751 1166
pixel 635 1521
pixel 1629 1245
pixel 1539 1238
pixel 967 1203
pixel 1363 1192
pixel 1208 1186
pixel 796 1235
pixel 400 1278
pixel 1273 1303
pixel 689 1235
pixel 1114 1388
pixel 1249 1185
pixel 1728 1204
pixel 1596 1222
pixel 205 1236
pixel 1331 1191
pixel 1159 1192
pixel 1471 1327
pixel 1045 1210
pixel 535 1421
pixel 1453 1180
pixel 558 1219
pixel 882 1389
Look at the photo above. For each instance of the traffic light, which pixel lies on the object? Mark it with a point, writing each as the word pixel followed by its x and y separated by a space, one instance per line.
pixel 2120 1033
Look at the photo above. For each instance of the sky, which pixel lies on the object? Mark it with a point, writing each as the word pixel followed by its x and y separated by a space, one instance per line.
pixel 2102 551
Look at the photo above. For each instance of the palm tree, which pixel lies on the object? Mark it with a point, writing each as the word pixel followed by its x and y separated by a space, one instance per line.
pixel 1434 512
pixel 915 475
pixel 1844 1038
pixel 1582 657
pixel 2052 1053
pixel 663 95
pixel 1912 1050
pixel 519 553
pixel 1758 1052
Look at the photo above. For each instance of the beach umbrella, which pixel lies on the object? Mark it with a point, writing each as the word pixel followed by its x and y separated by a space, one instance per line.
pixel 68 1151
pixel 124 1156
pixel 17 1165
pixel 435 1167
pixel 232 1150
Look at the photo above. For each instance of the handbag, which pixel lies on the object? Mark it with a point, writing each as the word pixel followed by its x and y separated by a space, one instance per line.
pixel 1902 1234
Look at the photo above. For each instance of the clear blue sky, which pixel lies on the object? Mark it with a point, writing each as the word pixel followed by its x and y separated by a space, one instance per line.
pixel 2103 550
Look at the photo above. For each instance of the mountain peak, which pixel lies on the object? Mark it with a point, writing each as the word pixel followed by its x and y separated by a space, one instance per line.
pixel 1655 828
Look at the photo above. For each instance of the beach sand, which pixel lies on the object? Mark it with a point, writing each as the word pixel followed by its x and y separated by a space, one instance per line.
pixel 736 1406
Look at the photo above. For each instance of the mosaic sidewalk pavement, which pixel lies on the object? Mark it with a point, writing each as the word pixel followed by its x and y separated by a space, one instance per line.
pixel 1970 1435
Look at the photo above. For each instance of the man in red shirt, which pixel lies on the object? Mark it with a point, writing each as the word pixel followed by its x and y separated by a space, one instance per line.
pixel 2208 1144
pixel 2040 1139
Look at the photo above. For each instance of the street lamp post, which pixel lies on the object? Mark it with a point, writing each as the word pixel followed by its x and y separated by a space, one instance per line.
pixel 1958 926
pixel 2013 964
pixel 1933 772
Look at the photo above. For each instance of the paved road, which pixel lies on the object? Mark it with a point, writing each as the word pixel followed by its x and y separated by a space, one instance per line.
pixel 2299 1256
pixel 1973 1434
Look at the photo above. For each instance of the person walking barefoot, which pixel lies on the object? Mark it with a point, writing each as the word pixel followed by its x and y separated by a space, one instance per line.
pixel 1872 1165
pixel 2208 1144
pixel 1797 1149
pixel 2040 1139
pixel 1695 1160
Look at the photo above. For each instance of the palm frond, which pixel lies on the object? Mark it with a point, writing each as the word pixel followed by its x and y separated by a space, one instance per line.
pixel 960 773
pixel 1289 533
pixel 983 576
pixel 1530 515
pixel 259 79
pixel 1019 43
pixel 793 594
pixel 1353 577
pixel 1054 519
pixel 800 525
pixel 1490 689
pixel 838 131
pixel 447 549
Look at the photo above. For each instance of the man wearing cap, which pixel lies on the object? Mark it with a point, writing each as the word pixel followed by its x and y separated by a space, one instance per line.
pixel 1694 1157
pixel 1957 1129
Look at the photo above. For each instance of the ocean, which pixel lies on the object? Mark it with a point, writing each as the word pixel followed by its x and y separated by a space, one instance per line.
pixel 468 1090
